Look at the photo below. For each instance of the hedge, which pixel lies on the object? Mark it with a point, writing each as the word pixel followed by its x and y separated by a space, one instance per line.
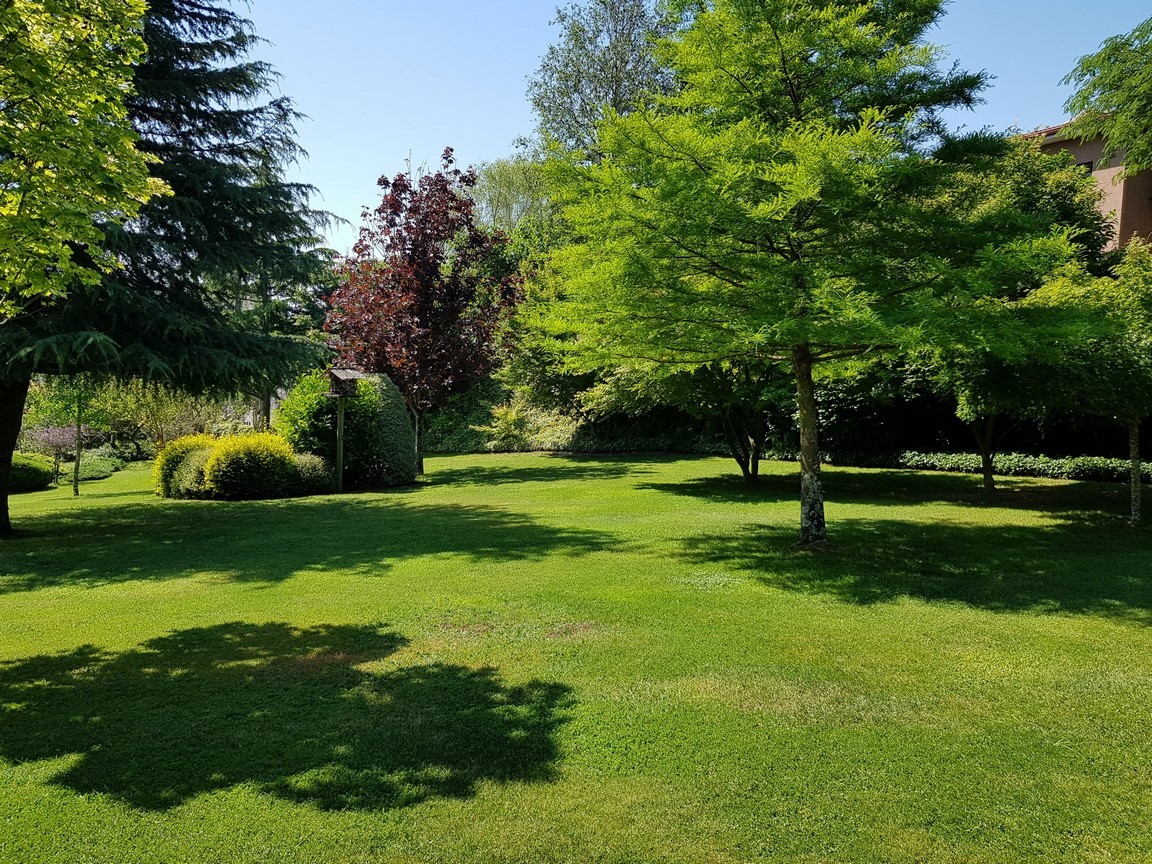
pixel 261 465
pixel 379 444
pixel 30 473
pixel 254 465
pixel 168 461
pixel 1097 468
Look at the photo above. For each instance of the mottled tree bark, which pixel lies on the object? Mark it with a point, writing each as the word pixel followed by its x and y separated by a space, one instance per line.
pixel 13 394
pixel 812 525
pixel 1137 472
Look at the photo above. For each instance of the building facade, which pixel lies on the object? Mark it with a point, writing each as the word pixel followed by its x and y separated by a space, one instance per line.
pixel 1128 200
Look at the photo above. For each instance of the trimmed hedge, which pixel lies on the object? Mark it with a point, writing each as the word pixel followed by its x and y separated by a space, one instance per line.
pixel 30 473
pixel 237 467
pixel 1096 468
pixel 188 481
pixel 1021 465
pixel 261 465
pixel 379 444
pixel 168 461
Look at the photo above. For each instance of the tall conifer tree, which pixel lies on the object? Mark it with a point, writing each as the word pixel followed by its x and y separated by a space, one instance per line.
pixel 233 234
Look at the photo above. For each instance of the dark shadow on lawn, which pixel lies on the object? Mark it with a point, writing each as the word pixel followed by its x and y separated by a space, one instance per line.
pixel 270 541
pixel 551 467
pixel 1097 568
pixel 288 710
pixel 906 488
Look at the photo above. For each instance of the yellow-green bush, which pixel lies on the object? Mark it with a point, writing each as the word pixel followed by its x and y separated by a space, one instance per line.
pixel 168 461
pixel 262 465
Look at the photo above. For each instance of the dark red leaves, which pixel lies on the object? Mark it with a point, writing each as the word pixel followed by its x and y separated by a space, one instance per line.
pixel 424 294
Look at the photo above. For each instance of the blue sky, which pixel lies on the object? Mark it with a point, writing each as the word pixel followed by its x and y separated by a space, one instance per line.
pixel 384 82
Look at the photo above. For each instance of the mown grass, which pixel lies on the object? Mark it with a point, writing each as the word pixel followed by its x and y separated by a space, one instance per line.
pixel 558 659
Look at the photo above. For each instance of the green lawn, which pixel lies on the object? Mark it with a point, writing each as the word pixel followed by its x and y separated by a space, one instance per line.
pixel 557 659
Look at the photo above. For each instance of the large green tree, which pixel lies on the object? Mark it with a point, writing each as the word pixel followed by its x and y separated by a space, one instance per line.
pixel 604 59
pixel 792 200
pixel 68 161
pixel 191 259
pixel 1113 96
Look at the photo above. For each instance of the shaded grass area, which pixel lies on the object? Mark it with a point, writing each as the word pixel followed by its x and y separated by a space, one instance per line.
pixel 289 710
pixel 614 659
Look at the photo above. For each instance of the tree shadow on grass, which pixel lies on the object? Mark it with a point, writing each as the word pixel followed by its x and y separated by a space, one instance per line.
pixel 906 488
pixel 1092 568
pixel 271 541
pixel 293 712
pixel 556 467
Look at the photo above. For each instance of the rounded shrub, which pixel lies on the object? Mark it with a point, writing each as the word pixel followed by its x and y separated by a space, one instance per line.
pixel 316 474
pixel 97 468
pixel 188 481
pixel 168 460
pixel 379 445
pixel 261 465
pixel 30 473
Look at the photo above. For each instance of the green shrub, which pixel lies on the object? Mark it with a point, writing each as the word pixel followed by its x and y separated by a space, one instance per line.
pixel 108 453
pixel 316 474
pixel 379 446
pixel 30 473
pixel 520 426
pixel 188 481
pixel 169 459
pixel 96 468
pixel 260 465
pixel 1097 468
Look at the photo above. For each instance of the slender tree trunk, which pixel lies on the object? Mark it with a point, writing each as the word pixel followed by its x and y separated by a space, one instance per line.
pixel 986 441
pixel 1137 470
pixel 13 394
pixel 732 437
pixel 812 525
pixel 79 443
pixel 418 428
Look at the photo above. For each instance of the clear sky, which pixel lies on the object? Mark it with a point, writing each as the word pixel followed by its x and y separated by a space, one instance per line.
pixel 383 81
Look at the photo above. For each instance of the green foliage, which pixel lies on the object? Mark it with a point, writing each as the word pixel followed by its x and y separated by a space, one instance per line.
pixel 69 160
pixel 261 465
pixel 379 444
pixel 107 453
pixel 517 426
pixel 316 474
pixel 188 481
pixel 168 461
pixel 30 473
pixel 1113 98
pixel 454 428
pixel 604 60
pixel 1022 465
pixel 98 468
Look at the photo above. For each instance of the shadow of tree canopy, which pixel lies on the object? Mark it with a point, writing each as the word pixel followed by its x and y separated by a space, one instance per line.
pixel 553 467
pixel 290 711
pixel 270 541
pixel 903 488
pixel 1085 568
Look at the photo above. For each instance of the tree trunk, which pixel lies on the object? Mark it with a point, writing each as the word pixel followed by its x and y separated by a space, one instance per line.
pixel 732 437
pixel 418 428
pixel 79 443
pixel 13 394
pixel 1137 470
pixel 986 441
pixel 812 525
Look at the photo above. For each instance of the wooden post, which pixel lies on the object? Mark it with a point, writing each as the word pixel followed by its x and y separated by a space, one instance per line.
pixel 340 443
